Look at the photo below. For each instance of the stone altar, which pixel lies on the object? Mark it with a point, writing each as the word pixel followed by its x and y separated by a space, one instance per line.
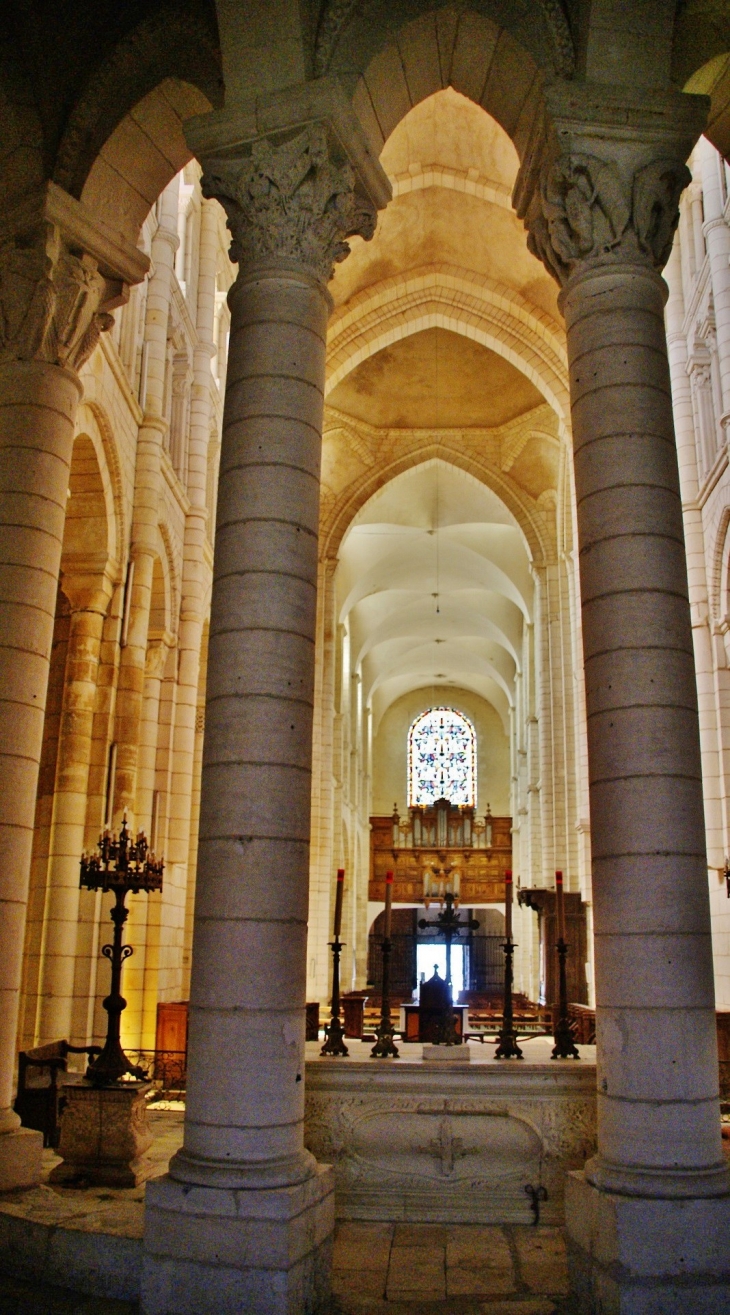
pixel 450 1143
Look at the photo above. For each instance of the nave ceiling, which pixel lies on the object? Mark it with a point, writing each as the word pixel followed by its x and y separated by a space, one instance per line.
pixel 442 455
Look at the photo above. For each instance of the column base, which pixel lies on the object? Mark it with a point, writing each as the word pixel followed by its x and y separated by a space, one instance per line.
pixel 212 1251
pixel 21 1151
pixel 632 1255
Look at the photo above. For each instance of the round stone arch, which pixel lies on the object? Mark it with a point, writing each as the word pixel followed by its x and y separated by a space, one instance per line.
pixel 495 52
pixel 87 556
pixel 168 556
pixel 93 420
pixel 719 581
pixel 530 519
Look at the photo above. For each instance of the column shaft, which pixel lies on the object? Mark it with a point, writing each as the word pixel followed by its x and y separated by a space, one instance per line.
pixel 68 827
pixel 717 237
pixel 37 409
pixel 145 532
pixel 245 1093
pixel 659 1131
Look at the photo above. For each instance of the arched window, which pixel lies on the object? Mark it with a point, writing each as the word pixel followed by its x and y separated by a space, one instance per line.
pixel 442 758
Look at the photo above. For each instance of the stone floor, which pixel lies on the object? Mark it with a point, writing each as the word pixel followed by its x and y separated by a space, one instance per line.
pixel 396 1269
pixel 393 1269
pixel 457 1269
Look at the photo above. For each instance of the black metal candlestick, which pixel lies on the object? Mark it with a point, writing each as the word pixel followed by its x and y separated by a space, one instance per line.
pixel 120 866
pixel 508 1047
pixel 385 1047
pixel 449 925
pixel 564 1047
pixel 507 1037
pixel 334 1044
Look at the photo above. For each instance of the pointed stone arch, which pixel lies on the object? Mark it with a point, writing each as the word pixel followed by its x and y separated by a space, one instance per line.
pixel 343 510
pixel 459 300
pixel 495 53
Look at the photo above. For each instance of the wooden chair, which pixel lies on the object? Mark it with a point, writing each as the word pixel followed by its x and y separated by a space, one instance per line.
pixel 41 1079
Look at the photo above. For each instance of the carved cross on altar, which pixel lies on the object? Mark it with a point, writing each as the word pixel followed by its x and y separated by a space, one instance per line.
pixel 447 1148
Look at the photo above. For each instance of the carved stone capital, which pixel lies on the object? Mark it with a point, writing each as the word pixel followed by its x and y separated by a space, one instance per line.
pixel 61 274
pixel 588 213
pixel 293 201
pixel 601 186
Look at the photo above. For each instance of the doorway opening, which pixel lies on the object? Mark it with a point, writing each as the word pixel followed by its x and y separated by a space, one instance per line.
pixel 428 955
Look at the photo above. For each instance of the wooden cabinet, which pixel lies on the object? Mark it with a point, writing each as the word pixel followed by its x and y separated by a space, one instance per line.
pixel 543 901
pixel 172 1027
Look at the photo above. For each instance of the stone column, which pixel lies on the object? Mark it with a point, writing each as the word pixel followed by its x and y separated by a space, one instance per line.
pixel 89 600
pixel 717 237
pixel 196 572
pixel 60 274
pixel 244 1219
pixel 145 532
pixel 653 1203
pixel 696 559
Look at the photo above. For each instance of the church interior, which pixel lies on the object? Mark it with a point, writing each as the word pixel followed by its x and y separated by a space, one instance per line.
pixel 365 657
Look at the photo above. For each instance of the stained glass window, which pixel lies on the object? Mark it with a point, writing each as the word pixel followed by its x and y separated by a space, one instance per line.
pixel 442 758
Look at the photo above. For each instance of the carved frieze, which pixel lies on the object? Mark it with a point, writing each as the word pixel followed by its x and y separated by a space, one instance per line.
pixel 291 200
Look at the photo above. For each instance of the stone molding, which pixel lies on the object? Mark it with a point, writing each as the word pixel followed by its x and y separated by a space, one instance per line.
pixel 292 200
pixel 601 185
pixel 61 274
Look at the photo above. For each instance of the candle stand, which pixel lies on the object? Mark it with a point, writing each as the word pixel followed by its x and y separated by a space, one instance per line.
pixel 565 1047
pixel 104 1127
pixel 507 1037
pixel 121 866
pixel 385 1047
pixel 449 925
pixel 507 1047
pixel 334 1044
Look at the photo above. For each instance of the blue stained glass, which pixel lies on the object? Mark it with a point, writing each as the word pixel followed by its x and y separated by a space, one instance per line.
pixel 442 758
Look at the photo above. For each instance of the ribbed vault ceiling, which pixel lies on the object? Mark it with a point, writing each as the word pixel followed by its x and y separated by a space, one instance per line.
pixel 434 585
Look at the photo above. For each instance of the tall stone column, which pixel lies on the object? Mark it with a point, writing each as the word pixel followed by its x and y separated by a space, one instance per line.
pixel 717 237
pixel 601 205
pixel 146 516
pixel 89 601
pixel 696 559
pixel 245 1217
pixel 196 572
pixel 60 274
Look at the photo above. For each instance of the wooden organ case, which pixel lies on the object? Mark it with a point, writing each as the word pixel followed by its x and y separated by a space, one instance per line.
pixel 432 847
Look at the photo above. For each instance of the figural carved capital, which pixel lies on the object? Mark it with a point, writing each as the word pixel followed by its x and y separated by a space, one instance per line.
pixel 61 273
pixel 602 184
pixel 589 213
pixel 49 303
pixel 293 201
